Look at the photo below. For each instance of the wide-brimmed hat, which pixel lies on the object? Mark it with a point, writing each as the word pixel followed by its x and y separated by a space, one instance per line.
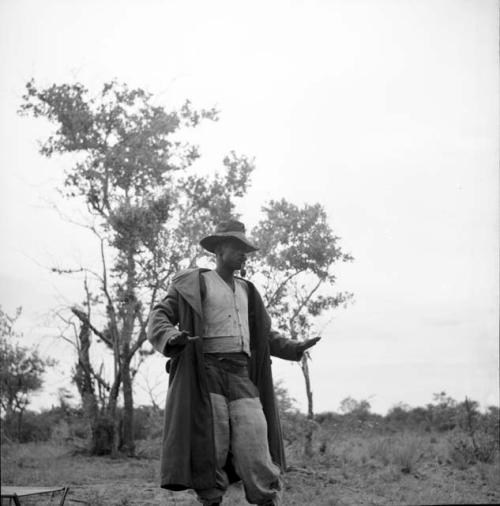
pixel 225 230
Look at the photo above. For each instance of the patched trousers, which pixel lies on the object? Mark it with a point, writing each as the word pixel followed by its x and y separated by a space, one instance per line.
pixel 240 430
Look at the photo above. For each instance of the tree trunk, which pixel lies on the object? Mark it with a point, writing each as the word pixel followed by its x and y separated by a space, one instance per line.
pixel 85 384
pixel 128 444
pixel 308 445
pixel 19 424
pixel 9 424
pixel 112 413
pixel 103 433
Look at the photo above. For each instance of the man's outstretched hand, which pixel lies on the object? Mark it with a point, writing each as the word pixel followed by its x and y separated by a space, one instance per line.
pixel 308 343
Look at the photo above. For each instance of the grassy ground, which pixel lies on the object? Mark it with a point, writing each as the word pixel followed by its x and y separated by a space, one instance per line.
pixel 399 469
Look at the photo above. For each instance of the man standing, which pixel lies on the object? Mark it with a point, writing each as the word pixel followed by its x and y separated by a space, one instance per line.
pixel 221 418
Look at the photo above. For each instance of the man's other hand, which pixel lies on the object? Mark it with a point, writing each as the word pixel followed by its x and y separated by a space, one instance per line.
pixel 182 339
pixel 308 343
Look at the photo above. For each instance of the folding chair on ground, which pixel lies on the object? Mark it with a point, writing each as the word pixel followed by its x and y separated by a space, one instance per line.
pixel 15 494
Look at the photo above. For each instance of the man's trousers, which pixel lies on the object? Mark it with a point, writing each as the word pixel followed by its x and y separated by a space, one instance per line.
pixel 240 428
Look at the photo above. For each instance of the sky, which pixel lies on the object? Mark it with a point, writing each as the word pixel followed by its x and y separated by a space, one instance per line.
pixel 385 112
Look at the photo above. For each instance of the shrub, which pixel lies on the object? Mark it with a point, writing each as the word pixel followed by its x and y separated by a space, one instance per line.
pixel 419 417
pixel 34 427
pixel 328 418
pixel 294 426
pixel 466 451
pixel 398 415
pixel 380 449
pixel 148 422
pixel 403 452
pixel 406 453
pixel 358 410
pixel 477 440
pixel 461 452
pixel 490 423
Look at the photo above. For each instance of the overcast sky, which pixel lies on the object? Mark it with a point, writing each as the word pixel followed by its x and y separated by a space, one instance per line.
pixel 385 112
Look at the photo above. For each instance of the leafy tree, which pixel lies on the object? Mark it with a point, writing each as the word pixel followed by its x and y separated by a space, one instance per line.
pixel 147 208
pixel 443 400
pixel 443 411
pixel 21 371
pixel 350 406
pixel 298 251
pixel 399 414
pixel 419 416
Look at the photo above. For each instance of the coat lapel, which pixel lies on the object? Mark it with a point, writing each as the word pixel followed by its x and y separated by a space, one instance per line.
pixel 188 285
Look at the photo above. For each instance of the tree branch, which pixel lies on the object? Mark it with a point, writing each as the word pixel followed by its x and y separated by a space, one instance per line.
pixel 270 301
pixel 99 379
pixel 303 303
pixel 110 307
pixel 84 319
pixel 142 337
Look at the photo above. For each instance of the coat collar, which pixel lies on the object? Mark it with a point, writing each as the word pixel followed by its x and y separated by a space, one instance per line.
pixel 187 283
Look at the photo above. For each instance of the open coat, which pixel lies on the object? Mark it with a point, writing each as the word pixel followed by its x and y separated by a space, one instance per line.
pixel 188 452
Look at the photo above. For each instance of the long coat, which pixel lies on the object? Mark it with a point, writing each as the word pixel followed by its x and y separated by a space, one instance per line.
pixel 188 452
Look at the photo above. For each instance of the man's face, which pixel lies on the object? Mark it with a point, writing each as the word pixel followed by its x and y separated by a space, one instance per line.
pixel 232 254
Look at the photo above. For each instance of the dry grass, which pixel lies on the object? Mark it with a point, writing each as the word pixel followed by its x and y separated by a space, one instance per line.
pixel 377 469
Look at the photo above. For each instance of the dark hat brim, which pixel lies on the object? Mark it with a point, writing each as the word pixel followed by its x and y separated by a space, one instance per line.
pixel 210 242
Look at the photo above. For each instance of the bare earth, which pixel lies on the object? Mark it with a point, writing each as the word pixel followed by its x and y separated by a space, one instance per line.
pixel 400 469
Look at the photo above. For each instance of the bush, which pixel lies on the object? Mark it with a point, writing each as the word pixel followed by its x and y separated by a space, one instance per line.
pixel 406 453
pixel 33 427
pixel 148 423
pixel 398 415
pixel 419 417
pixel 477 438
pixel 328 418
pixel 380 449
pixel 294 426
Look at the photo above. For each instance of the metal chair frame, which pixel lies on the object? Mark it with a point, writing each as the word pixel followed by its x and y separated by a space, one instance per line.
pixel 15 496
